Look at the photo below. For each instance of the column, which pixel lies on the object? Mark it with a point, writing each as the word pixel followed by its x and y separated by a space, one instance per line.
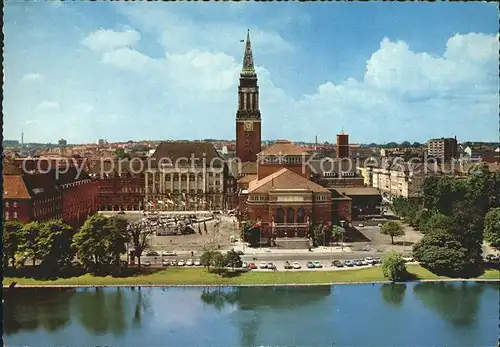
pixel 154 182
pixel 245 104
pixel 256 101
pixel 188 196
pixel 146 184
pixel 250 104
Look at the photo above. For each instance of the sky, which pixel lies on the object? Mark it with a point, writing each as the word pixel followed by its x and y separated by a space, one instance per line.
pixel 124 71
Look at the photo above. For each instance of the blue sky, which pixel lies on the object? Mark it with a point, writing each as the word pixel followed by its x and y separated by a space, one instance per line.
pixel 380 71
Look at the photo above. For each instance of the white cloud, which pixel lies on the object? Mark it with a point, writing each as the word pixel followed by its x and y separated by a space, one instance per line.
pixel 106 40
pixel 48 105
pixel 32 77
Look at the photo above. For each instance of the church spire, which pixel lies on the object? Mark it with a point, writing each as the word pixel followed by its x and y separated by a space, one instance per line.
pixel 248 67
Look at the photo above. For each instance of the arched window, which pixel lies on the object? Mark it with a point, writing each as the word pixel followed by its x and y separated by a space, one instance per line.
pixel 280 216
pixel 290 216
pixel 301 216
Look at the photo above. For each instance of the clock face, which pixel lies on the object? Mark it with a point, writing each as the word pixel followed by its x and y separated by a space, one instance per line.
pixel 248 126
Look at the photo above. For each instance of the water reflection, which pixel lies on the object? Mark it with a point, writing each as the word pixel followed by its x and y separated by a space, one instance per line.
pixel 254 302
pixel 32 309
pixel 458 303
pixel 393 294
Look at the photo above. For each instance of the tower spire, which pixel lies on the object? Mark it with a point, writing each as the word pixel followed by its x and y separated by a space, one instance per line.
pixel 248 67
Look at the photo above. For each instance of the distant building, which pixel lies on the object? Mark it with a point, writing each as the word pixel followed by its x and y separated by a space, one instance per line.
pixel 62 142
pixel 101 142
pixel 342 145
pixel 443 149
pixel 10 143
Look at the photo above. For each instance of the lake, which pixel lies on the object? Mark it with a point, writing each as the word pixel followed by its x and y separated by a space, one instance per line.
pixel 412 314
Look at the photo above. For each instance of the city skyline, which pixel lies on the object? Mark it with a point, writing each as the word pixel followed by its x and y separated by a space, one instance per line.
pixel 170 71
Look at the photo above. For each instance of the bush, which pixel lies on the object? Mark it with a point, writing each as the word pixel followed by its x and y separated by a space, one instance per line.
pixel 394 267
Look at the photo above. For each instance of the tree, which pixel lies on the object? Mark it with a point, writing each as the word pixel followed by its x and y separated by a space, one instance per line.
pixel 440 252
pixel 233 259
pixel 119 238
pixel 28 245
pixel 436 220
pixel 207 257
pixel 10 238
pixel 54 244
pixel 92 244
pixel 336 233
pixel 392 228
pixel 139 233
pixel 219 260
pixel 394 267
pixel 405 144
pixel 492 227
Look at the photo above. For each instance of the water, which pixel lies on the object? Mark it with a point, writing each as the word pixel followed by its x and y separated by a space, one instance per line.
pixel 414 314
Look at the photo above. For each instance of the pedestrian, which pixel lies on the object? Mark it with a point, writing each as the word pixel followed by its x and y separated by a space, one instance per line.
pixel 192 253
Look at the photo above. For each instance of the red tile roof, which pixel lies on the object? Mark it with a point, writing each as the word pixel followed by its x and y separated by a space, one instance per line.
pixel 284 179
pixel 14 187
pixel 283 148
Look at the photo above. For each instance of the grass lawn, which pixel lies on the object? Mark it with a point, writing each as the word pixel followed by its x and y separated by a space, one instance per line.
pixel 198 276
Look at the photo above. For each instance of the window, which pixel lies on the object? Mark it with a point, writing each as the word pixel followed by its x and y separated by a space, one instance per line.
pixel 14 215
pixel 6 204
pixel 14 204
pixel 7 215
pixel 347 208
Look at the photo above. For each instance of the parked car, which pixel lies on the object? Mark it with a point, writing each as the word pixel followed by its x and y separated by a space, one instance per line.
pixel 288 265
pixel 369 260
pixel 492 258
pixel 173 262
pixel 377 260
pixel 361 225
pixel 190 262
pixel 379 225
pixel 165 263
pixel 152 254
pixel 181 263
pixel 252 266
pixel 263 265
pixel 296 265
pixel 357 262
pixel 270 266
pixel 121 212
pixel 310 265
pixel 408 259
pixel 337 263
pixel 364 262
pixel 197 262
pixel 244 264
pixel 348 263
pixel 317 264
pixel 147 263
pixel 168 253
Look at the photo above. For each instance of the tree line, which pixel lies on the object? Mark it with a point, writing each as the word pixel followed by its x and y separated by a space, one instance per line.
pixel 455 215
pixel 55 247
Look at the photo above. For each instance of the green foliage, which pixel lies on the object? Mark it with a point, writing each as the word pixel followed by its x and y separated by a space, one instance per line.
pixel 392 228
pixel 10 238
pixel 28 246
pixel 336 233
pixel 440 252
pixel 434 220
pixel 317 234
pixel 92 244
pixel 207 257
pixel 251 235
pixel 118 237
pixel 492 227
pixel 218 260
pixel 54 244
pixel 394 267
pixel 233 259
pixel 139 233
pixel 120 154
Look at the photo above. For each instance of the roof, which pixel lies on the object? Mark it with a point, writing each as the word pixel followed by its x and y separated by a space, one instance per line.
pixel 14 187
pixel 283 148
pixel 68 175
pixel 322 166
pixel 28 185
pixel 183 152
pixel 133 167
pixel 284 179
pixel 239 169
pixel 248 178
pixel 350 191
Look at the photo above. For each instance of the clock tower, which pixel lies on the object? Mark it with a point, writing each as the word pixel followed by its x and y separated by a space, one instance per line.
pixel 248 121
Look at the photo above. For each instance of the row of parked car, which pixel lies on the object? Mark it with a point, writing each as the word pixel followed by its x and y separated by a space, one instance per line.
pixel 166 262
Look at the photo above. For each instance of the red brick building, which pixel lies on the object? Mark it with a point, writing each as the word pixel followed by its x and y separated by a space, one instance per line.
pixel 248 118
pixel 28 198
pixel 79 195
pixel 283 198
pixel 120 185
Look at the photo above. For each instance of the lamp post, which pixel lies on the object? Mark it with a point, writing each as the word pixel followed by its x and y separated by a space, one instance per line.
pixel 342 234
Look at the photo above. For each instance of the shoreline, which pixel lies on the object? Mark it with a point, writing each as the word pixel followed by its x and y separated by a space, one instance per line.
pixel 246 285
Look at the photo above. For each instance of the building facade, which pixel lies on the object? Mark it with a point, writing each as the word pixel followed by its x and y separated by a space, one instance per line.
pixel 443 149
pixel 248 118
pixel 28 198
pixel 185 176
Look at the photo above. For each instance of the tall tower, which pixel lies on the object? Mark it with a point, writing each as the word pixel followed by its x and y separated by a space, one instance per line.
pixel 342 145
pixel 22 137
pixel 248 121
